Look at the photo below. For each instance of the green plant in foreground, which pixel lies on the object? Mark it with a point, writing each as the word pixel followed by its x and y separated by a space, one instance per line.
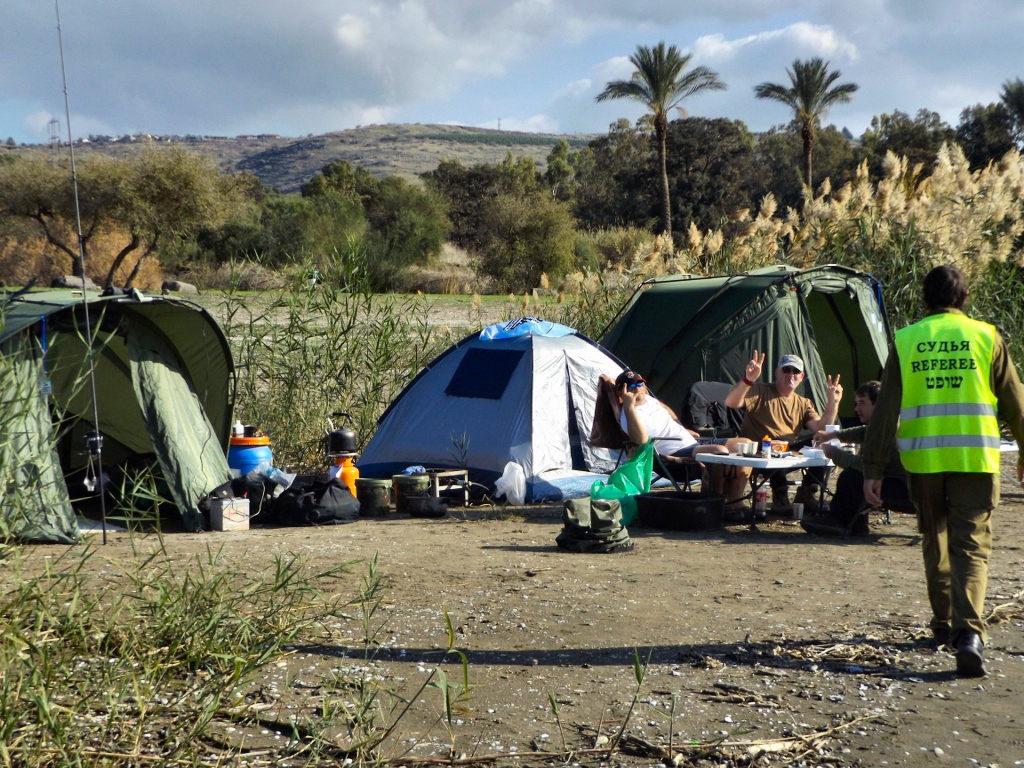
pixel 105 662
pixel 639 673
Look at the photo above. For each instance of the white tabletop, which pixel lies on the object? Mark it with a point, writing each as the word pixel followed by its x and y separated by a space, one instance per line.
pixel 757 462
pixel 791 462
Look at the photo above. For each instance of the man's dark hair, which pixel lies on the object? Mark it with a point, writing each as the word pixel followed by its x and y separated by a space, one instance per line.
pixel 945 288
pixel 870 390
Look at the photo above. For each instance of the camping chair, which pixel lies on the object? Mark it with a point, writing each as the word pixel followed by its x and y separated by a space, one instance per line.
pixel 889 506
pixel 606 432
pixel 704 410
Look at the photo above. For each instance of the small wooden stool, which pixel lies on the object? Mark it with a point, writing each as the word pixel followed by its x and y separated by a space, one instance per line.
pixel 446 479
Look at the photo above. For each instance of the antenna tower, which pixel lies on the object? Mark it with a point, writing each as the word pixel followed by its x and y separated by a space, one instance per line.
pixel 54 128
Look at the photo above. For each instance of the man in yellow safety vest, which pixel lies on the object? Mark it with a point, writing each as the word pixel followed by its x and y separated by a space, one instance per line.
pixel 947 379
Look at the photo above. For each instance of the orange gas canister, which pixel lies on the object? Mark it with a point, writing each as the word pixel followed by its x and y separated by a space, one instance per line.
pixel 346 471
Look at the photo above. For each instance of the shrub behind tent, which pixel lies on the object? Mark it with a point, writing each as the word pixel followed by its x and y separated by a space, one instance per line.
pixel 165 386
pixel 679 330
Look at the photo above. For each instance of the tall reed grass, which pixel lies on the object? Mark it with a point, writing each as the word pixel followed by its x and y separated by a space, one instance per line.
pixel 307 352
pixel 896 229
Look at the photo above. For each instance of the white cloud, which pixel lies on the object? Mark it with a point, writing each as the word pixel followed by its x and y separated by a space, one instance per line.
pixel 173 66
pixel 802 39
pixel 318 118
pixel 37 121
pixel 574 90
pixel 352 31
pixel 616 68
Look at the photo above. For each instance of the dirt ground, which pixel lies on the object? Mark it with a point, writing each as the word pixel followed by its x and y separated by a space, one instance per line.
pixel 760 633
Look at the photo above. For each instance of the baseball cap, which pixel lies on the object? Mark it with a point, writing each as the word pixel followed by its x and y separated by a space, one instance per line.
pixel 792 360
pixel 628 378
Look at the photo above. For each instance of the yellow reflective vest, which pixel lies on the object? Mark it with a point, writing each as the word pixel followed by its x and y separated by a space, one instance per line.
pixel 948 414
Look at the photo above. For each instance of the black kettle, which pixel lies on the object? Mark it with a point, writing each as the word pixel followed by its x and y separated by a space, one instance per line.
pixel 341 440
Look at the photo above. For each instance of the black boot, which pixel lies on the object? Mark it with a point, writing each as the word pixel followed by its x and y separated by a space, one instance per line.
pixel 968 654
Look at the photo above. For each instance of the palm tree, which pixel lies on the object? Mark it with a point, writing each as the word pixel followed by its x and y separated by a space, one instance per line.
pixel 659 82
pixel 809 98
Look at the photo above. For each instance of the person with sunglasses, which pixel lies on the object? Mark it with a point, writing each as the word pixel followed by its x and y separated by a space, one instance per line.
pixel 643 416
pixel 778 411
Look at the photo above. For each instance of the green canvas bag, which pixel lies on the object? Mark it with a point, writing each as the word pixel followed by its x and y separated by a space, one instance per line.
pixel 632 478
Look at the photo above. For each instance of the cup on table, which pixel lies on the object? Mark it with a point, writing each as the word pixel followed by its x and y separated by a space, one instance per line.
pixel 798 510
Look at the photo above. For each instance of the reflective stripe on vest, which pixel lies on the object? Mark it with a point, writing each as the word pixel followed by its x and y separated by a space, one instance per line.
pixel 948 415
pixel 947 409
pixel 947 441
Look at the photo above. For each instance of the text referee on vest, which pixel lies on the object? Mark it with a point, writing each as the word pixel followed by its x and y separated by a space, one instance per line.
pixel 946 379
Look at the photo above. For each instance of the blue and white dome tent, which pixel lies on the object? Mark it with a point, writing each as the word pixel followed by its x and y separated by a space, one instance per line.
pixel 522 391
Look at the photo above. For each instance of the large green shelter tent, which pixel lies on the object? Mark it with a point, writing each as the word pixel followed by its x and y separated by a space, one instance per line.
pixel 679 330
pixel 165 389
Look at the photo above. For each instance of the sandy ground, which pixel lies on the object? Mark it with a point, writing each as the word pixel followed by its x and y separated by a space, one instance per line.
pixel 759 633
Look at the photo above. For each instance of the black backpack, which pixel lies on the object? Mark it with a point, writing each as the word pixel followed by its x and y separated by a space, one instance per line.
pixel 704 410
pixel 309 501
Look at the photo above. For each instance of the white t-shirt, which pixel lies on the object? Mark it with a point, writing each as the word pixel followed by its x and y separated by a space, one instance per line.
pixel 669 435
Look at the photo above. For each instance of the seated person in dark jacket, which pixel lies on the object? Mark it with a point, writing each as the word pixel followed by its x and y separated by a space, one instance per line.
pixel 849 495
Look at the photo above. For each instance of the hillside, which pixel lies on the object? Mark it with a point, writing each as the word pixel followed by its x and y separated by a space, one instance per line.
pixel 405 150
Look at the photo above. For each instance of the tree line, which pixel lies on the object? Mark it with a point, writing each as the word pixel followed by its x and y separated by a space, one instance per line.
pixel 518 223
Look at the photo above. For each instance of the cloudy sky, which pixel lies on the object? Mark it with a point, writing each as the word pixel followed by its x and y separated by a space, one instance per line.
pixel 309 66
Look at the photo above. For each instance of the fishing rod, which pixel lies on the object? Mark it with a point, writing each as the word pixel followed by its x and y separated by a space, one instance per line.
pixel 93 439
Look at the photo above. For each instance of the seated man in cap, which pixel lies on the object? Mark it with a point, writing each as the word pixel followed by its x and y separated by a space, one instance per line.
pixel 777 411
pixel 643 416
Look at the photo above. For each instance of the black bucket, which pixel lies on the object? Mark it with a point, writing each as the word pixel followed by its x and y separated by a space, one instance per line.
pixel 425 506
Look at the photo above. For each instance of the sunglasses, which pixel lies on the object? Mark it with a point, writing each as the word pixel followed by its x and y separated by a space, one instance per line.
pixel 791 369
pixel 635 386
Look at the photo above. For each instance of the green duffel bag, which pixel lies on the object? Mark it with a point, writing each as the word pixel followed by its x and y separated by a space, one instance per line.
pixel 593 525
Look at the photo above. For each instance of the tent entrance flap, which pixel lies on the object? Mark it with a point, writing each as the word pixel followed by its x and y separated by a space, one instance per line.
pixel 189 452
pixel 34 503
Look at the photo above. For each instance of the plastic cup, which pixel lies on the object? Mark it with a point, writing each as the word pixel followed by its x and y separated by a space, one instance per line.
pixel 798 510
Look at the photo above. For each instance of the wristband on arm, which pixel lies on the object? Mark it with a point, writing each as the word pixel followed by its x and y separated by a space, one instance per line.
pixel 748 382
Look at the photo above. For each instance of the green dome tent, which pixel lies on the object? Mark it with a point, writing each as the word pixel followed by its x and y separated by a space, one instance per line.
pixel 165 391
pixel 678 330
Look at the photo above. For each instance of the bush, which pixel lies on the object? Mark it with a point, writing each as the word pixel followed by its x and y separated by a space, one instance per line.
pixel 526 237
pixel 623 245
pixel 303 354
pixel 407 226
pixel 588 257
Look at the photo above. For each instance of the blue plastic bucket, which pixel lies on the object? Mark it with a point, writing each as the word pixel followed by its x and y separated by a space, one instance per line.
pixel 247 453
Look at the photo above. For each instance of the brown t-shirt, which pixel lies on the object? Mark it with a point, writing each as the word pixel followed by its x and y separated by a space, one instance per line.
pixel 766 412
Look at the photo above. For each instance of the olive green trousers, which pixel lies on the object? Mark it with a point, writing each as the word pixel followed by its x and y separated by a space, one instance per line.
pixel 954 516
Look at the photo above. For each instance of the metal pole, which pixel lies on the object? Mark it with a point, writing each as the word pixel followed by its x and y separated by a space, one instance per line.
pixel 94 441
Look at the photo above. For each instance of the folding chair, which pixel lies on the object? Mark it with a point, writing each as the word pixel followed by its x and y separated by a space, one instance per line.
pixel 606 432
pixel 888 506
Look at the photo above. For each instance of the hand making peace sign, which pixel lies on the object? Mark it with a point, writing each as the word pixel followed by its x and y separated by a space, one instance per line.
pixel 835 389
pixel 754 367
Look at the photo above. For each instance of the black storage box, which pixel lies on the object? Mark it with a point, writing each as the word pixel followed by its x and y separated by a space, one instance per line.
pixel 681 510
